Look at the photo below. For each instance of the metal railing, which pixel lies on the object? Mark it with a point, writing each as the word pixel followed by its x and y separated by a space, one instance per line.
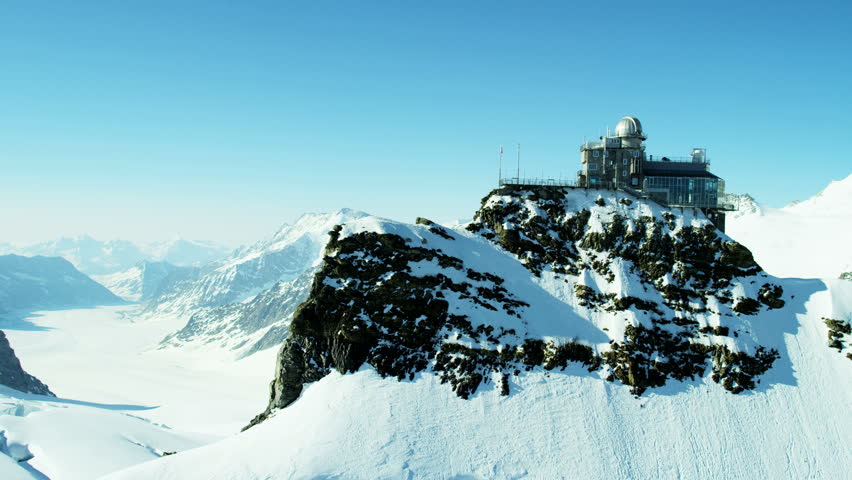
pixel 659 158
pixel 541 182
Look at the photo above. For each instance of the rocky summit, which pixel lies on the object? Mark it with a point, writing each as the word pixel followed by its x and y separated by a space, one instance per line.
pixel 543 278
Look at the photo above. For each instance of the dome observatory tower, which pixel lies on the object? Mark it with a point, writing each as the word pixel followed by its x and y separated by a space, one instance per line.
pixel 616 160
pixel 629 130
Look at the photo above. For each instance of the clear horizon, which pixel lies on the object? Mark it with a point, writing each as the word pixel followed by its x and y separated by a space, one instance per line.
pixel 220 122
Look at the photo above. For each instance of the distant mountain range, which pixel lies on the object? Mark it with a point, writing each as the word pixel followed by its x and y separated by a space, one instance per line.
pixel 96 257
pixel 28 283
pixel 141 281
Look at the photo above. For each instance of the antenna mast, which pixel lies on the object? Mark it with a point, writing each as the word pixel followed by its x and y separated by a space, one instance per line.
pixel 519 162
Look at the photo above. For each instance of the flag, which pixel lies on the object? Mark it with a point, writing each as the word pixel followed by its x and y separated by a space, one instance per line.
pixel 501 149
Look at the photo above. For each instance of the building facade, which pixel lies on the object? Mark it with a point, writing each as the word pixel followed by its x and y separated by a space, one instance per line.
pixel 620 161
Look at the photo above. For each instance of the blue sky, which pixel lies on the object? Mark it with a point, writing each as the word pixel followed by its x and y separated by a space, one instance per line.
pixel 221 120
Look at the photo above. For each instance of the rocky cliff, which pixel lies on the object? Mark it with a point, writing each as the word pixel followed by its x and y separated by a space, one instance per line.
pixel 543 278
pixel 13 375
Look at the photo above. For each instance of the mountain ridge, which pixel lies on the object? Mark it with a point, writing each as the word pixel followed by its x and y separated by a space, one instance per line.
pixel 28 283
pixel 96 257
pixel 593 252
pixel 244 303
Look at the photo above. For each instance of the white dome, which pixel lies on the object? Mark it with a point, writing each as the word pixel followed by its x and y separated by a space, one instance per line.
pixel 629 127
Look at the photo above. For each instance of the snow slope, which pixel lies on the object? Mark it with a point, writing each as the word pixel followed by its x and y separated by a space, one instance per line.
pixel 59 438
pixel 809 239
pixel 554 425
pixel 429 324
pixel 106 355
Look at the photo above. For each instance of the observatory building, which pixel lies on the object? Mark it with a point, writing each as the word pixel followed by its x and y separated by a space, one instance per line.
pixel 619 161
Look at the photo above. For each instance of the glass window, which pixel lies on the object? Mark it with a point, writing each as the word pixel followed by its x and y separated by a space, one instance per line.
pixel 596 154
pixel 689 191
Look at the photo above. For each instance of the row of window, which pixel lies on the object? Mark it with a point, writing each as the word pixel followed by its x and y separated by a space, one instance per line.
pixel 597 153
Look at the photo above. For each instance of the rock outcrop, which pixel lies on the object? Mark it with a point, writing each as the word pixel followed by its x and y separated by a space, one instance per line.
pixel 13 375
pixel 544 277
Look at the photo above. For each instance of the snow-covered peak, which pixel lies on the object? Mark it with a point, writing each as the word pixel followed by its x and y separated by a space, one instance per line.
pixel 834 199
pixel 312 225
pixel 288 254
pixel 309 230
pixel 808 239
pixel 182 252
pixel 744 204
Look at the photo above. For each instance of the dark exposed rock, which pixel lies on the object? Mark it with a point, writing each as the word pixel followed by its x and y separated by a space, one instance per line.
pixel 837 330
pixel 13 375
pixel 695 256
pixel 770 295
pixel 366 306
pixel 746 306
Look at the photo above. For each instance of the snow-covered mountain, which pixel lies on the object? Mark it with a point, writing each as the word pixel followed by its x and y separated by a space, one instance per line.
pixel 139 282
pixel 182 252
pixel 245 328
pixel 96 257
pixel 28 283
pixel 90 256
pixel 808 239
pixel 745 205
pixel 245 302
pixel 563 333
